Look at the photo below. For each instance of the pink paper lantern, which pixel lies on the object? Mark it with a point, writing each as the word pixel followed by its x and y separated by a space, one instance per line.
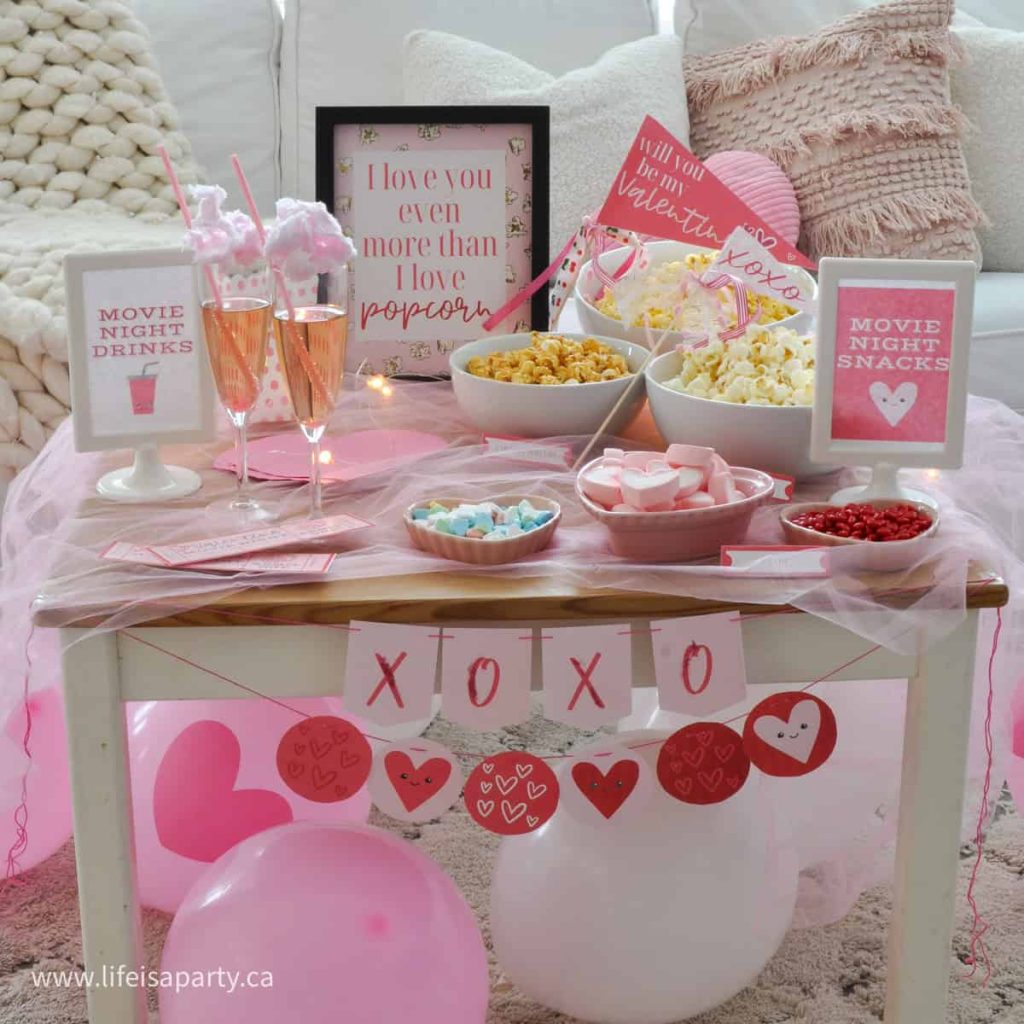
pixel 763 185
pixel 204 777
pixel 326 923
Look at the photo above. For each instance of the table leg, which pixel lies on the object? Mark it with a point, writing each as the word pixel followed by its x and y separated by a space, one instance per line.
pixel 931 808
pixel 104 838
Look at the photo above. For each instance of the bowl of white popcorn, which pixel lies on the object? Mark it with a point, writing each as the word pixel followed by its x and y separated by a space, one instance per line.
pixel 648 293
pixel 749 398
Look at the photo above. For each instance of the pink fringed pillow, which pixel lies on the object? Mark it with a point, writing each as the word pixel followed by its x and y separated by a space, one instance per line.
pixel 859 117
pixel 763 185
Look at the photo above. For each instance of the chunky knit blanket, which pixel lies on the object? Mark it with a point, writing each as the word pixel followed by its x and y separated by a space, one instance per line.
pixel 82 112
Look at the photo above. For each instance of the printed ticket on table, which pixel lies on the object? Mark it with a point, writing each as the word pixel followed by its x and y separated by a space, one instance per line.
pixel 286 534
pixel 274 561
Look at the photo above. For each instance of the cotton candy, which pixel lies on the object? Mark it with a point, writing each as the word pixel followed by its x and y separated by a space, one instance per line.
pixel 306 240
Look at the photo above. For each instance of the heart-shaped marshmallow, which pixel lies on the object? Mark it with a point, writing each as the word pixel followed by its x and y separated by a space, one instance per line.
pixel 648 490
pixel 699 499
pixel 690 480
pixel 689 455
pixel 601 484
pixel 636 460
pixel 722 488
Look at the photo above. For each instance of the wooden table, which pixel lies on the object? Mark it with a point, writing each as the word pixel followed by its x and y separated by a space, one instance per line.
pixel 232 636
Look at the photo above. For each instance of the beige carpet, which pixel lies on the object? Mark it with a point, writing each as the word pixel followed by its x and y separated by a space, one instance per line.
pixel 832 975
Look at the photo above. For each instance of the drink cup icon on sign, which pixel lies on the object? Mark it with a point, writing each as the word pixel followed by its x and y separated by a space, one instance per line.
pixel 143 391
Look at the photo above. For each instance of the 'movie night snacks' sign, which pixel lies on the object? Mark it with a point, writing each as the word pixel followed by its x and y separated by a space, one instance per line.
pixel 139 371
pixel 893 340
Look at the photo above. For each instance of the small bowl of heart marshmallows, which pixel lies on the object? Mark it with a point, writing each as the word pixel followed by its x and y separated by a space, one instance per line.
pixel 671 506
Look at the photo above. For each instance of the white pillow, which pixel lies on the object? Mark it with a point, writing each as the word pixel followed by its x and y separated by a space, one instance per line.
pixel 989 88
pixel 219 61
pixel 595 111
pixel 350 51
pixel 708 26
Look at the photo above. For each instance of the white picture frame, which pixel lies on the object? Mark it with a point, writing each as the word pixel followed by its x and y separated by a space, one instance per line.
pixel 127 311
pixel 913 322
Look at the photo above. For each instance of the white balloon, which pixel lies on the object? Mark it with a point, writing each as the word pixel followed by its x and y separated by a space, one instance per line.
pixel 656 919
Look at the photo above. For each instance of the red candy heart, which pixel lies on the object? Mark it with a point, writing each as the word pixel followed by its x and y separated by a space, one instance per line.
pixel 415 786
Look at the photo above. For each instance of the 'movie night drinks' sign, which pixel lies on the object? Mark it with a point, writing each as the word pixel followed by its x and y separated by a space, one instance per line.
pixel 138 362
pixel 893 339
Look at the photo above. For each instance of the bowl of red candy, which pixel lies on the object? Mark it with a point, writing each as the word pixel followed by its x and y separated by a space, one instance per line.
pixel 892 533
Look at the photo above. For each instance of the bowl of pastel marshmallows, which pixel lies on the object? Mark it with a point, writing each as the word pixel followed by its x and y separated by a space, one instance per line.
pixel 681 504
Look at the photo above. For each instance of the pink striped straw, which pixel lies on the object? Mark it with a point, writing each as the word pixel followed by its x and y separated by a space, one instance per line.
pixel 308 366
pixel 211 279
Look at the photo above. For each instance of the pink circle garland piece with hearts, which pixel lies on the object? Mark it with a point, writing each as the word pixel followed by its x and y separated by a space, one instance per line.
pixel 512 793
pixel 703 763
pixel 415 780
pixel 324 759
pixel 790 734
pixel 606 783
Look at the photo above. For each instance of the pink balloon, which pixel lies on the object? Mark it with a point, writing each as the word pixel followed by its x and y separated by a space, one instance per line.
pixel 48 825
pixel 204 777
pixel 352 923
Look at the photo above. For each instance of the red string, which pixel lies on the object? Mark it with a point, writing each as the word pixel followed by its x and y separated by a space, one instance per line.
pixel 978 923
pixel 20 844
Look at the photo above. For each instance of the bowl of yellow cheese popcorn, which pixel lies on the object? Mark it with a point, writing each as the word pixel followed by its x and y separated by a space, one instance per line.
pixel 650 292
pixel 749 398
pixel 547 384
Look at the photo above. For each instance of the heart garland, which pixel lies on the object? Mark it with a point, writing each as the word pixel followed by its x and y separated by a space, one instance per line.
pixel 328 759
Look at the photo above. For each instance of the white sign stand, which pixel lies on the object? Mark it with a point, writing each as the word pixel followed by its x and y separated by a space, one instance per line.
pixel 893 339
pixel 148 479
pixel 139 371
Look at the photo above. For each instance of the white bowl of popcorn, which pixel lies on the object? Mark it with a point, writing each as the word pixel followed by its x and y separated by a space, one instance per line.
pixel 749 398
pixel 547 384
pixel 648 291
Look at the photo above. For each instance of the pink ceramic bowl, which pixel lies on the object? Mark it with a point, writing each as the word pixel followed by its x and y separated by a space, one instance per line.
pixel 476 551
pixel 872 555
pixel 687 534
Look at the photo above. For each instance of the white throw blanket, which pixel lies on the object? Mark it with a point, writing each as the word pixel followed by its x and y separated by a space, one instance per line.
pixel 82 112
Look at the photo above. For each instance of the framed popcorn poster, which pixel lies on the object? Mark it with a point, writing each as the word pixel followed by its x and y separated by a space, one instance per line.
pixel 893 339
pixel 448 209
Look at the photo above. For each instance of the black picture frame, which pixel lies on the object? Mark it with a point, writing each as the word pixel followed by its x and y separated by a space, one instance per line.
pixel 536 118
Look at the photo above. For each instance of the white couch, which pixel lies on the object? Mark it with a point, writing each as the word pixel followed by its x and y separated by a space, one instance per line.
pixel 247 79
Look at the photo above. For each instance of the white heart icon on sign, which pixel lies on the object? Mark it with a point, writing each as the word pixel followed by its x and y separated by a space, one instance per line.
pixel 893 405
pixel 794 736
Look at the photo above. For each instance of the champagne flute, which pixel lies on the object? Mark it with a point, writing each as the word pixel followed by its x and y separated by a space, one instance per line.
pixel 237 327
pixel 311 343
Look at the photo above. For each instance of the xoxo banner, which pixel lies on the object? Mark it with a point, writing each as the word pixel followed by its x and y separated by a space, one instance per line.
pixel 391 671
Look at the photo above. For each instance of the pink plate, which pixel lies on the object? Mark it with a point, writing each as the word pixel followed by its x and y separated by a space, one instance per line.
pixel 685 534
pixel 286 456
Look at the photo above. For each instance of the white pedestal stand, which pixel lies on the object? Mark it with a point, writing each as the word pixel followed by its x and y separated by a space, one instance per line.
pixel 148 479
pixel 883 485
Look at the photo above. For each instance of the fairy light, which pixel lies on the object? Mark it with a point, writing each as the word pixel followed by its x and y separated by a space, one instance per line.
pixel 326 457
pixel 932 474
pixel 387 390
pixel 376 382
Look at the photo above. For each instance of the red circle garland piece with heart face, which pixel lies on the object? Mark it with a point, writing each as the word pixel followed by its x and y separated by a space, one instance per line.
pixel 605 783
pixel 512 793
pixel 415 780
pixel 790 734
pixel 703 763
pixel 324 759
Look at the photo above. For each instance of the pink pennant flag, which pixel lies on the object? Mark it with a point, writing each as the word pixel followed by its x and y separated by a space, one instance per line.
pixel 389 671
pixel 663 190
pixel 485 676
pixel 698 663
pixel 588 674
